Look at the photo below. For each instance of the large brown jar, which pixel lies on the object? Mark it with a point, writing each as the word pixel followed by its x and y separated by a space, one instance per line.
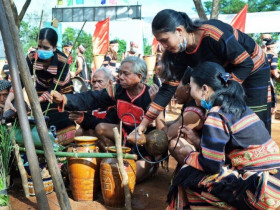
pixel 111 179
pixel 84 172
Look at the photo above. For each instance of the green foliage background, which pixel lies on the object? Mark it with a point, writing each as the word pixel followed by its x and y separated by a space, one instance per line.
pixel 147 47
pixel 85 39
pixel 234 6
pixel 28 35
pixel 122 48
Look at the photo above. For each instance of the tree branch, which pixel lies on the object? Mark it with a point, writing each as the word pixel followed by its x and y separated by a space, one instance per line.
pixel 15 12
pixel 23 10
pixel 215 9
pixel 200 10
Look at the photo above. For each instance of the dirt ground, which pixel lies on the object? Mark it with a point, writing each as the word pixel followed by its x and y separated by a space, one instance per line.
pixel 150 194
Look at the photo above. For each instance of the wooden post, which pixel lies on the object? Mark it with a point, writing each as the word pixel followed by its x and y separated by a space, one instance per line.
pixel 21 168
pixel 59 187
pixel 122 170
pixel 42 200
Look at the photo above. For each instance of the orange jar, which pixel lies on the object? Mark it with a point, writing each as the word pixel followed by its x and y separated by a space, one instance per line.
pixel 84 172
pixel 111 179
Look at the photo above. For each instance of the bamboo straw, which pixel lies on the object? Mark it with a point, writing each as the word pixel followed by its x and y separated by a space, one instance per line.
pixel 85 155
pixel 58 80
pixel 122 170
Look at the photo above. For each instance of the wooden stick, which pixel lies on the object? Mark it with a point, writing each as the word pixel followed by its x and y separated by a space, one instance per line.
pixel 122 170
pixel 22 171
pixel 16 58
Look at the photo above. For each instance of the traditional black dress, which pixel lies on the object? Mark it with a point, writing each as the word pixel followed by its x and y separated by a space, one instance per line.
pixel 237 53
pixel 47 76
pixel 129 110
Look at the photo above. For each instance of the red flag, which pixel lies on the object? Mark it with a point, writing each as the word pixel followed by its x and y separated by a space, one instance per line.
pixel 239 20
pixel 154 46
pixel 100 38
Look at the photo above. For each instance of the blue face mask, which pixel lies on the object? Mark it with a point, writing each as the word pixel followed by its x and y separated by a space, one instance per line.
pixel 45 54
pixel 205 104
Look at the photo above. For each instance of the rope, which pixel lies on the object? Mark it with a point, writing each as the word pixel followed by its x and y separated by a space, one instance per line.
pixel 137 148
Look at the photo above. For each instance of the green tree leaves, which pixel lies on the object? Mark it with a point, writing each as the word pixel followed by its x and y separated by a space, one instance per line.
pixel 234 6
pixel 28 35
pixel 85 39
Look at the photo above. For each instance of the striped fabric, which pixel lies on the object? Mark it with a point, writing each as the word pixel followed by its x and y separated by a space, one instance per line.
pixel 196 110
pixel 47 74
pixel 155 107
pixel 188 199
pixel 238 54
pixel 237 157
pixel 212 31
pixel 273 61
pixel 257 152
pixel 240 58
pixel 258 58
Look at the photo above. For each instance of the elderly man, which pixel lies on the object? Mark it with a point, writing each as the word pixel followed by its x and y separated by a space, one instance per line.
pixel 88 120
pixel 101 78
pixel 131 96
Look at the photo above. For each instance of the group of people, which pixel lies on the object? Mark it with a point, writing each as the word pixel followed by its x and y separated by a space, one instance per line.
pixel 222 77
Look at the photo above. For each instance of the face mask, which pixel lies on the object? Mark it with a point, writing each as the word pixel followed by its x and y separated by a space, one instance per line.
pixel 45 54
pixel 205 104
pixel 116 48
pixel 183 45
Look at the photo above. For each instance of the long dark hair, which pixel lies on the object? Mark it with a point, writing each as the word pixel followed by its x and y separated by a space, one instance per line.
pixel 167 20
pixel 171 69
pixel 228 94
pixel 50 35
pixel 187 76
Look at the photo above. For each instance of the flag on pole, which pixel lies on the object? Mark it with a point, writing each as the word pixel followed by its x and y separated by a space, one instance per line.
pixel 103 2
pixel 154 46
pixel 79 1
pixel 59 2
pixel 100 38
pixel 239 20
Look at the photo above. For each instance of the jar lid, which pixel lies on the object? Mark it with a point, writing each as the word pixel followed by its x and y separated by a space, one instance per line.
pixel 85 138
pixel 114 149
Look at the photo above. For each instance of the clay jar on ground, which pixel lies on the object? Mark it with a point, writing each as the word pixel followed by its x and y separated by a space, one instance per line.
pixel 111 179
pixel 84 172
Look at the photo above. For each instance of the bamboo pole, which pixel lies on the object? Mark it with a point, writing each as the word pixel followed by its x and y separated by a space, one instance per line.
pixel 60 190
pixel 24 124
pixel 122 170
pixel 85 155
pixel 21 168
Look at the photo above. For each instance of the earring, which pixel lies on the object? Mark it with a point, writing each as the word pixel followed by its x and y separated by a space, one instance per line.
pixel 206 105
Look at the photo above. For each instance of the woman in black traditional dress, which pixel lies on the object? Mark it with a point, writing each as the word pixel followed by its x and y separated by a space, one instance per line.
pixel 189 43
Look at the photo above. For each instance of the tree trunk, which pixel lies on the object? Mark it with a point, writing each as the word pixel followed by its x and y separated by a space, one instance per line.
pixel 215 9
pixel 15 12
pixel 200 10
